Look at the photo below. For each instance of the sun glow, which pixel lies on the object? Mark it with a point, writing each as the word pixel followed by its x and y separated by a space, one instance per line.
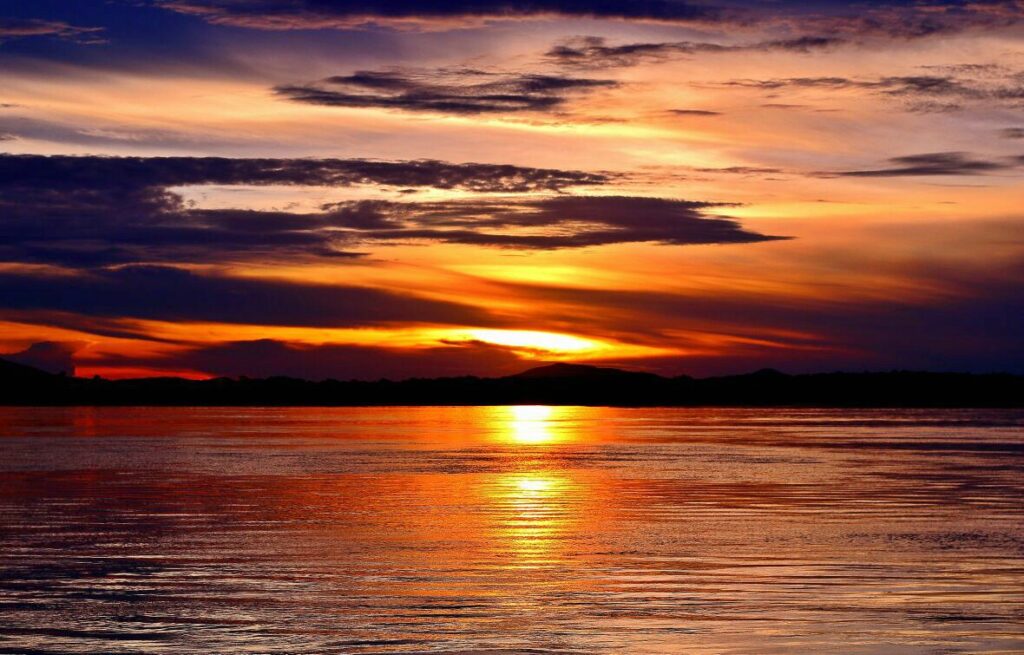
pixel 166 339
pixel 535 344
pixel 403 337
pixel 549 341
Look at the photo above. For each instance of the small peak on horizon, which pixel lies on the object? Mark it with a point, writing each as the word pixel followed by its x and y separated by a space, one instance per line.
pixel 768 372
pixel 569 370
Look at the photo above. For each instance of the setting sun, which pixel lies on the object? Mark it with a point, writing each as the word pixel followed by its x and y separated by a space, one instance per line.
pixel 542 341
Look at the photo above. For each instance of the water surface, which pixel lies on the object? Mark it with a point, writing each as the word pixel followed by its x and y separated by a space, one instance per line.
pixel 511 530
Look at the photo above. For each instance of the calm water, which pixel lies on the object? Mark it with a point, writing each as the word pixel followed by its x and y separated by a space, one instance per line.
pixel 511 530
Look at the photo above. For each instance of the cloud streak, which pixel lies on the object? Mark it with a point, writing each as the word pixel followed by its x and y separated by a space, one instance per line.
pixel 923 93
pixel 981 312
pixel 89 172
pixel 268 357
pixel 449 92
pixel 934 163
pixel 318 14
pixel 564 222
pixel 184 296
pixel 19 28
pixel 694 112
pixel 596 52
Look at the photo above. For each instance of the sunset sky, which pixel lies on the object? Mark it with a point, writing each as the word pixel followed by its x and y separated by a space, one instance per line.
pixel 326 188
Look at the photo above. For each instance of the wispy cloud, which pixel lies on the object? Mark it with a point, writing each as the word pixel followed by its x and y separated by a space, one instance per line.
pixel 951 90
pixel 694 112
pixel 458 91
pixel 934 163
pixel 18 28
pixel 596 52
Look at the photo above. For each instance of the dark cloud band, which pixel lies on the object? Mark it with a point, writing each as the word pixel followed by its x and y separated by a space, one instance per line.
pixel 890 18
pixel 87 212
pixel 267 357
pixel 299 14
pixel 564 222
pixel 68 172
pixel 172 294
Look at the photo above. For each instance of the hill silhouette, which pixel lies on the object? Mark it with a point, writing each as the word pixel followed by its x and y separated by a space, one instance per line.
pixel 14 373
pixel 553 384
pixel 578 372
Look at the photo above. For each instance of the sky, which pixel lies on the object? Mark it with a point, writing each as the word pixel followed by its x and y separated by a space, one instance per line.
pixel 357 190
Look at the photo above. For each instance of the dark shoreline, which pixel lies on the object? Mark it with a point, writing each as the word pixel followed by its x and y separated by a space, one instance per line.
pixel 558 384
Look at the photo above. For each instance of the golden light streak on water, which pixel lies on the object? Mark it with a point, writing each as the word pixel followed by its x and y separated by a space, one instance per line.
pixel 498 530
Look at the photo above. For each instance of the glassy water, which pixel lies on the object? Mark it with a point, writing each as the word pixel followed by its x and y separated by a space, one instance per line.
pixel 511 530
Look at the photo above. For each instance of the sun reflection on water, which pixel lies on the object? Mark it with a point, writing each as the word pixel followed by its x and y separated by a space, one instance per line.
pixel 537 501
pixel 530 424
pixel 534 484
pixel 535 511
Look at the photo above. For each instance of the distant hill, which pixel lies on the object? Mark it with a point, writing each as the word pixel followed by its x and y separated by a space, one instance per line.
pixel 562 371
pixel 553 384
